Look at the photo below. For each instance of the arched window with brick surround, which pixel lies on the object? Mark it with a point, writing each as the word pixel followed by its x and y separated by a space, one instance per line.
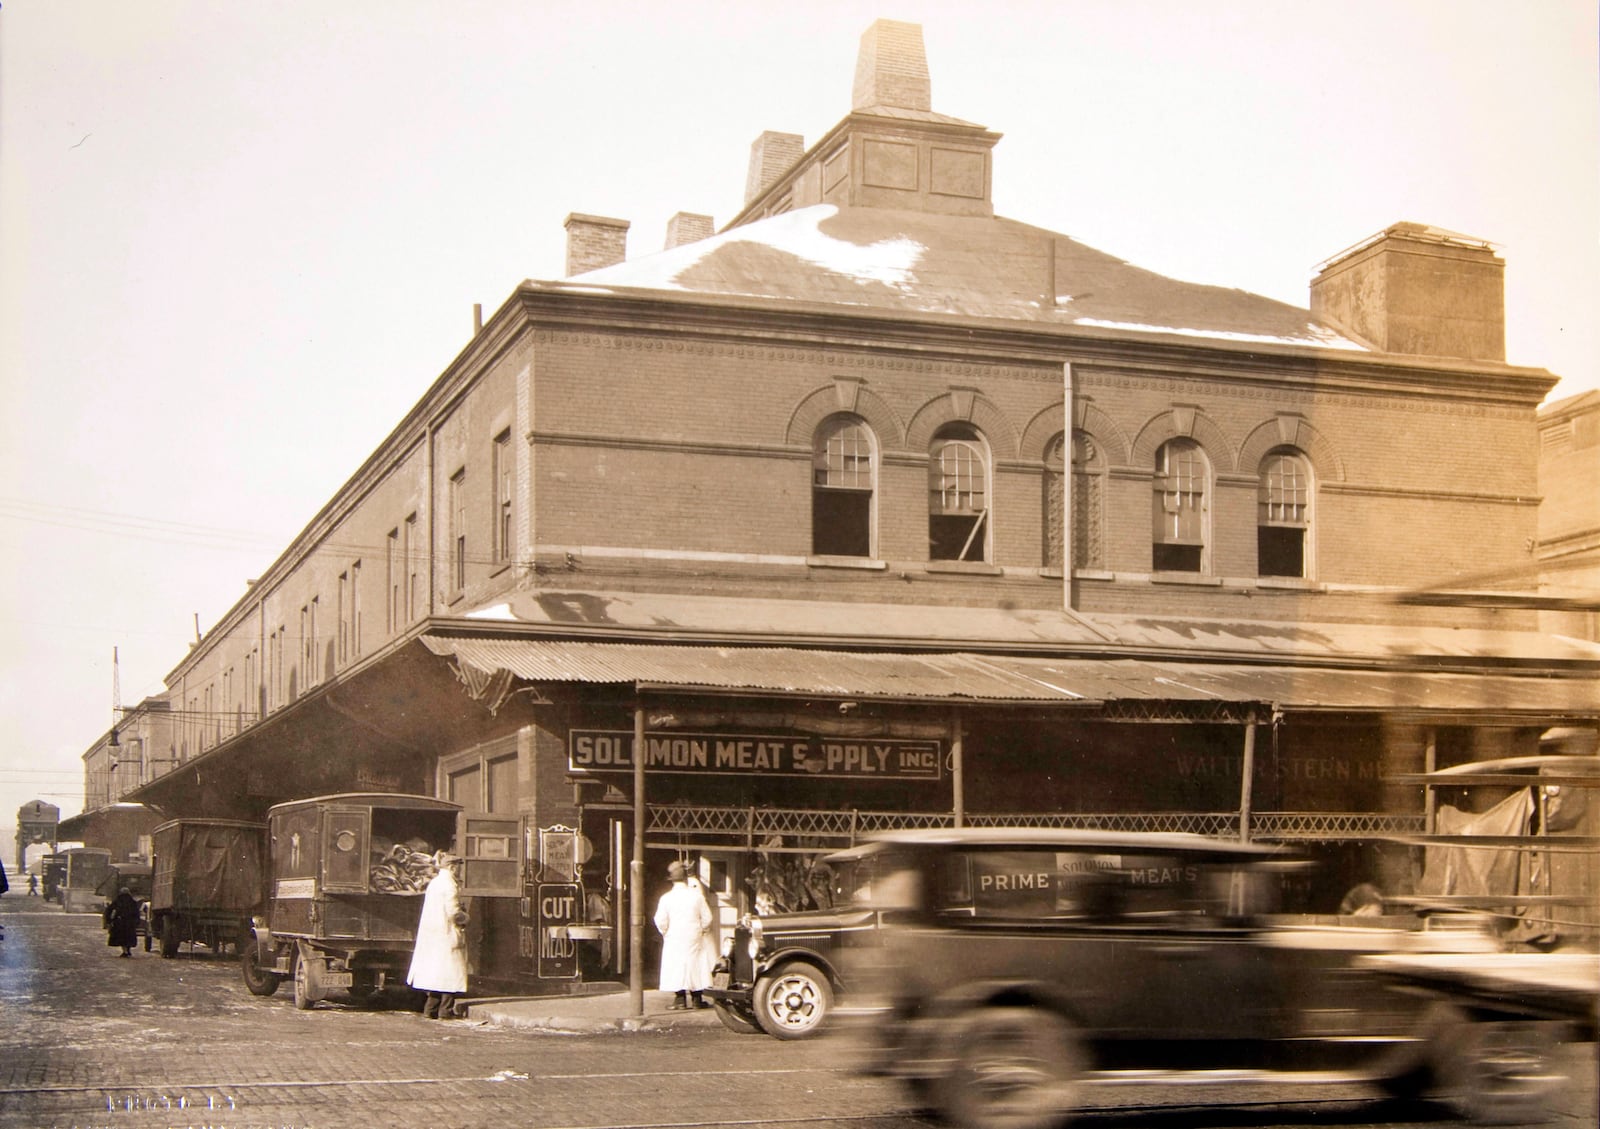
pixel 1283 514
pixel 958 494
pixel 843 484
pixel 1180 507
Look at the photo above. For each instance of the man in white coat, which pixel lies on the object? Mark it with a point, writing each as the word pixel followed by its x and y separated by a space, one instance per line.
pixel 683 917
pixel 439 959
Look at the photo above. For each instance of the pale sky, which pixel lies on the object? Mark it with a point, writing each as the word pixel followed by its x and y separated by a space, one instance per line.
pixel 239 241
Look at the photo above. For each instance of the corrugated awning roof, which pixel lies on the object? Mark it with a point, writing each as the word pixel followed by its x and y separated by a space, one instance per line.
pixel 967 676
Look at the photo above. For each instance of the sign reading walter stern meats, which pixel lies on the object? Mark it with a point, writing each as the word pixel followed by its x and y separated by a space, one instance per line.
pixel 744 754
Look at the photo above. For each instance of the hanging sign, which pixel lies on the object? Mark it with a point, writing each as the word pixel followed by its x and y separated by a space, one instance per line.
pixel 745 754
pixel 558 853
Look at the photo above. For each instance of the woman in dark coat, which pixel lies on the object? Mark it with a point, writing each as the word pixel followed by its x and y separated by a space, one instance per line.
pixel 122 922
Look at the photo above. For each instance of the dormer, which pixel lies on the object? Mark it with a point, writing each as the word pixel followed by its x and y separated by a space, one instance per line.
pixel 892 151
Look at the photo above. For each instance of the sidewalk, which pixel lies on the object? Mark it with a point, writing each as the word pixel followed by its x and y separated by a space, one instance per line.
pixel 587 1014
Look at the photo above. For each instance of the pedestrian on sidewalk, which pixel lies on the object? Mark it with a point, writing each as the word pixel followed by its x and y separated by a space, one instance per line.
pixel 439 959
pixel 683 917
pixel 121 920
pixel 33 885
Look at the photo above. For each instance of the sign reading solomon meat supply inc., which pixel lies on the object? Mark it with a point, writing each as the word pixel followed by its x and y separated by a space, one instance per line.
pixel 745 754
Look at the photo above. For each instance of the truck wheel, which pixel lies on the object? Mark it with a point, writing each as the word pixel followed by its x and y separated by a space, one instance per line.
pixel 793 1001
pixel 169 936
pixel 307 981
pixel 739 1022
pixel 1499 1073
pixel 257 979
pixel 1012 1068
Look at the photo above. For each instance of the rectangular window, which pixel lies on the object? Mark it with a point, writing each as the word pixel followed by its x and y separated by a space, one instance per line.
pixel 458 530
pixel 308 643
pixel 393 579
pixel 355 610
pixel 413 565
pixel 504 467
pixel 344 618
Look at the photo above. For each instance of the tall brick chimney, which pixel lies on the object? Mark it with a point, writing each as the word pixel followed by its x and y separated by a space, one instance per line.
pixel 771 155
pixel 688 227
pixel 1417 290
pixel 594 242
pixel 892 68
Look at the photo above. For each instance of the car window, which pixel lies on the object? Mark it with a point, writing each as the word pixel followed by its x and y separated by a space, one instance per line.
pixel 1048 884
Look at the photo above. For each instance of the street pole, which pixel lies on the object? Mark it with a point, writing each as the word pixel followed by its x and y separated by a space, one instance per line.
pixel 636 871
pixel 1249 773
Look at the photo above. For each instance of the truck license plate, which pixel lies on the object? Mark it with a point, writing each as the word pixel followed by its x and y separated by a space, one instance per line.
pixel 338 979
pixel 719 980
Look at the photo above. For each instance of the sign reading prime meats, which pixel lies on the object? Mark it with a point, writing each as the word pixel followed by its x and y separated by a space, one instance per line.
pixel 745 754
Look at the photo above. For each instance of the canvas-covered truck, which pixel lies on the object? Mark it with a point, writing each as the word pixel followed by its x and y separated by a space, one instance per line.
pixel 344 885
pixel 208 880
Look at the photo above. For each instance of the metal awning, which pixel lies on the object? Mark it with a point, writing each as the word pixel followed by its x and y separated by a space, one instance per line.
pixel 962 676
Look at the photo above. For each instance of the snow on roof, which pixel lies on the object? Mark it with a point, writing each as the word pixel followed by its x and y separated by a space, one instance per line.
pixel 798 233
pixel 973 266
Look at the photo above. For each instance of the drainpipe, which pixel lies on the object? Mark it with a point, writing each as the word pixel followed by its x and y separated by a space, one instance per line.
pixel 1066 467
pixel 1249 776
pixel 636 872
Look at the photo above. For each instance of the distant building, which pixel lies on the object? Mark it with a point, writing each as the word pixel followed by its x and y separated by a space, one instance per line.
pixel 37 826
pixel 876 509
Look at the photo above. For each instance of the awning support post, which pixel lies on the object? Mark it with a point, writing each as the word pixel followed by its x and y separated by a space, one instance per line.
pixel 1248 776
pixel 636 872
pixel 958 797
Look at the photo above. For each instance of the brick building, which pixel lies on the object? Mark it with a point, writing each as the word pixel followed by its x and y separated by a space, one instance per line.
pixel 1569 517
pixel 875 508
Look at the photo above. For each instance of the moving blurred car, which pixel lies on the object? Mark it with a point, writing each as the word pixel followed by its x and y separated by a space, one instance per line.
pixel 1016 965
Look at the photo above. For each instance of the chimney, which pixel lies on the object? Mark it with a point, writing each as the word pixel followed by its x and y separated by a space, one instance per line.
pixel 594 242
pixel 892 68
pixel 771 155
pixel 687 227
pixel 1417 290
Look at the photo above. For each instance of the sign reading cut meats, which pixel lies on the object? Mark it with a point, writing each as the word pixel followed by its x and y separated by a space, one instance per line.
pixel 745 754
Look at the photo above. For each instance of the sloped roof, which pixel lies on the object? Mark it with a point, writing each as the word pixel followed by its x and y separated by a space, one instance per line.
pixel 972 266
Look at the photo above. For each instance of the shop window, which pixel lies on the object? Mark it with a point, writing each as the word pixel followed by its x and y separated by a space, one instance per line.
pixel 958 495
pixel 1283 523
pixel 1179 507
pixel 483 780
pixel 843 477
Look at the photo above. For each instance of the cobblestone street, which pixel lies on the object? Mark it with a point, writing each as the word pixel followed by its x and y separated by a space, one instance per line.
pixel 96 1042
pixel 93 1040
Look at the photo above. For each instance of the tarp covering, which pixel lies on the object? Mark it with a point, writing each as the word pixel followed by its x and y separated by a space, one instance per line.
pixel 208 865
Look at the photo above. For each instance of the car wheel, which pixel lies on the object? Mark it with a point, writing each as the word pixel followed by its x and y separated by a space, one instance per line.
pixel 1498 1073
pixel 307 981
pixel 1012 1068
pixel 793 1001
pixel 740 1023
pixel 257 979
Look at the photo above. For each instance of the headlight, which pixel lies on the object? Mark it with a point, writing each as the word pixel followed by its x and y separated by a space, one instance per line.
pixel 755 938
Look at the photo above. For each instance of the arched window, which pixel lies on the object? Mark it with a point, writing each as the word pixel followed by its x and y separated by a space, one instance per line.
pixel 1182 479
pixel 1088 501
pixel 1055 469
pixel 843 477
pixel 958 495
pixel 1283 521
